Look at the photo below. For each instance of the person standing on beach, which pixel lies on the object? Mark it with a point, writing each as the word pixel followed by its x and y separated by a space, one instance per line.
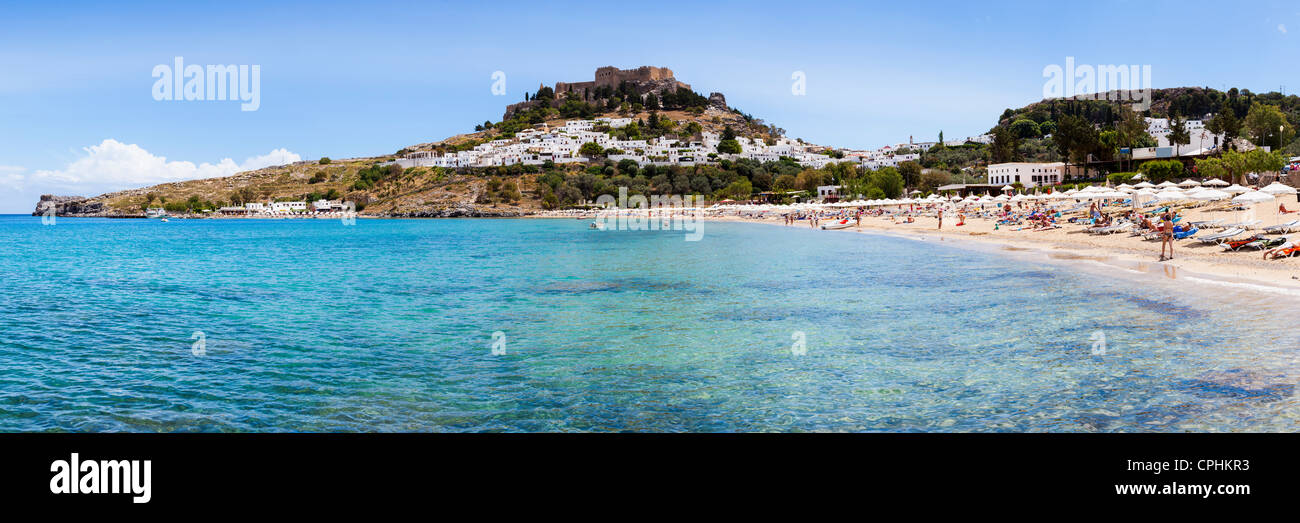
pixel 1167 236
pixel 941 219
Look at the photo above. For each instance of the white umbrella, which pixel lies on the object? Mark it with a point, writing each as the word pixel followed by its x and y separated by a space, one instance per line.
pixel 1235 189
pixel 1007 188
pixel 1123 186
pixel 1144 185
pixel 1141 195
pixel 1253 197
pixel 1209 195
pixel 1215 183
pixel 1190 183
pixel 1277 189
pixel 1167 184
pixel 1170 195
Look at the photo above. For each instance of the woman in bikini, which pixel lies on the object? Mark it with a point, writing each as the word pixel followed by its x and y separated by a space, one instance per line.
pixel 1167 236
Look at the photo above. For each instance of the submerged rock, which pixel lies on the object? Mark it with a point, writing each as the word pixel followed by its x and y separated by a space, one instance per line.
pixel 1241 383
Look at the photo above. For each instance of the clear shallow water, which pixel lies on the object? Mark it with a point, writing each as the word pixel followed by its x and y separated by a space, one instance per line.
pixel 387 325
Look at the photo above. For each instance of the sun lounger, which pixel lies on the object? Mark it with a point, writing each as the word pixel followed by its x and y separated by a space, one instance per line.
pixel 1206 224
pixel 1186 234
pixel 1233 245
pixel 1291 226
pixel 1248 224
pixel 1220 237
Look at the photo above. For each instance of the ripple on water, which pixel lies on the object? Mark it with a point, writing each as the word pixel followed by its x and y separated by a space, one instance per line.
pixel 605 332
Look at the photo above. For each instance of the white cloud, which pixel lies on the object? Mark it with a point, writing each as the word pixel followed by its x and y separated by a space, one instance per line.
pixel 11 175
pixel 1281 28
pixel 113 165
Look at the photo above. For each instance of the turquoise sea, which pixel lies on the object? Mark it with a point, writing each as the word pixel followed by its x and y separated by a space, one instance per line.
pixel 388 325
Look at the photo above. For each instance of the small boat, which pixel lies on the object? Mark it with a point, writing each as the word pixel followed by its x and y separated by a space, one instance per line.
pixel 838 224
pixel 164 220
pixel 155 212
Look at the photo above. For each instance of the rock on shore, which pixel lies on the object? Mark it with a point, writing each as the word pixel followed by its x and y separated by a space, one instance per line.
pixel 67 206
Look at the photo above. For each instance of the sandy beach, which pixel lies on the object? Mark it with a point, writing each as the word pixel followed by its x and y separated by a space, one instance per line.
pixel 1072 242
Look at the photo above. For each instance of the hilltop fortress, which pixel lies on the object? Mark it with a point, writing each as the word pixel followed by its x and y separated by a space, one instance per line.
pixel 644 80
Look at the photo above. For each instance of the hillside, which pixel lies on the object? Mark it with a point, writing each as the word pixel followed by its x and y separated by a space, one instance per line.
pixel 419 191
pixel 1028 133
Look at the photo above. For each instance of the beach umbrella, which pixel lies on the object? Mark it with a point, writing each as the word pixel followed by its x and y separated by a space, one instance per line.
pixel 1215 183
pixel 1123 186
pixel 1209 195
pixel 1170 195
pixel 1007 188
pixel 1253 197
pixel 1144 185
pixel 1278 189
pixel 1167 184
pixel 1235 189
pixel 1189 183
pixel 1142 195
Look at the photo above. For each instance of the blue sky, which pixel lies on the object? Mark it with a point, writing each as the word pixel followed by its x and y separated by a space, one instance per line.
pixel 347 79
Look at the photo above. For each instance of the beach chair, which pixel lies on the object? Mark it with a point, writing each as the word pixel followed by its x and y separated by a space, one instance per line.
pixel 1207 224
pixel 1115 228
pixel 1222 236
pixel 1248 224
pixel 1233 245
pixel 1186 234
pixel 1291 226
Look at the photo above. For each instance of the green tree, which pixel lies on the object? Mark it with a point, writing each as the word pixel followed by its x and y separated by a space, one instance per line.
pixel 730 146
pixel 785 182
pixel 1225 122
pixel 809 180
pixel 1004 146
pixel 740 189
pixel 1024 128
pixel 591 149
pixel 1178 133
pixel 1263 123
pixel 910 172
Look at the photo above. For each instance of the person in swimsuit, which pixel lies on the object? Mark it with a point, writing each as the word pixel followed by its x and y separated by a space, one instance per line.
pixel 1167 236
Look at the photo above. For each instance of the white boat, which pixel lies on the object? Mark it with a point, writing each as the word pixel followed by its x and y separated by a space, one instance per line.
pixel 837 224
pixel 155 212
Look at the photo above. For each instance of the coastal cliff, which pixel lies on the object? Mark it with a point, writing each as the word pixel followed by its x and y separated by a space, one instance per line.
pixel 68 206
